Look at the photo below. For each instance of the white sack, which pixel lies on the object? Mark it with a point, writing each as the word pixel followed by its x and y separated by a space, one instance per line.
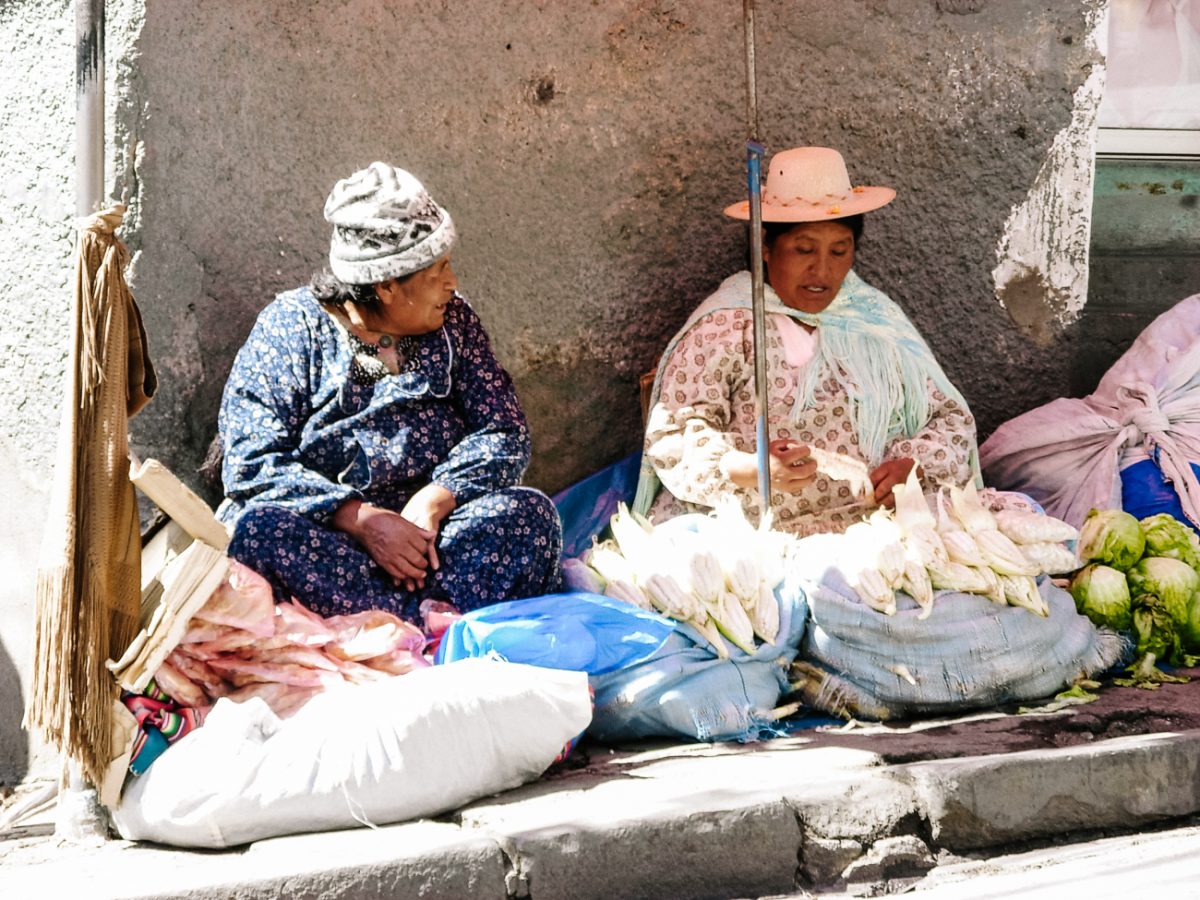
pixel 1068 454
pixel 412 746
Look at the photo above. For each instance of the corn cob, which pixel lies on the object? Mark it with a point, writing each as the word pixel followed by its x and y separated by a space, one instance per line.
pixel 606 559
pixel 956 577
pixel 633 539
pixel 706 576
pixel 840 467
pixel 733 622
pixel 1033 528
pixel 764 617
pixel 627 591
pixel 925 545
pixel 875 592
pixel 1022 591
pixel 962 548
pixel 1002 554
pixel 669 597
pixel 708 629
pixel 890 564
pixel 968 509
pixel 774 550
pixel 1050 558
pixel 917 585
pixel 742 580
pixel 885 526
pixel 995 588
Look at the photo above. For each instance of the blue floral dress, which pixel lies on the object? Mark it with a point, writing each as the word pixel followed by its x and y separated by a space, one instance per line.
pixel 303 431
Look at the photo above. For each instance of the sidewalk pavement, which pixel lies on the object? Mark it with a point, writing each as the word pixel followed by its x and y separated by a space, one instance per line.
pixel 851 809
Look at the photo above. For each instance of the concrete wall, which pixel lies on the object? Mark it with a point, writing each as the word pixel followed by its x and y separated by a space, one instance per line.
pixel 585 149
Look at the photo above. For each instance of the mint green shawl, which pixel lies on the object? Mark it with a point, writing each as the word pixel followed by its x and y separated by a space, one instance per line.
pixel 867 344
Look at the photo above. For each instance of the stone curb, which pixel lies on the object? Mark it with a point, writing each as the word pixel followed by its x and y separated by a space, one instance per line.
pixel 1124 782
pixel 677 823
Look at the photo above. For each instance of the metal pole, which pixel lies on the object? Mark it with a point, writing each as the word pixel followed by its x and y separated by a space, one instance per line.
pixel 89 106
pixel 754 154
pixel 78 815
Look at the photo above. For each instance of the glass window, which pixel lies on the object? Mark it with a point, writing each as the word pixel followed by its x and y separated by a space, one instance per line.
pixel 1151 100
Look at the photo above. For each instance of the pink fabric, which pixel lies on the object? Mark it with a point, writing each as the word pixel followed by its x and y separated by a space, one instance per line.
pixel 799 345
pixel 244 600
pixel 1068 454
pixel 238 646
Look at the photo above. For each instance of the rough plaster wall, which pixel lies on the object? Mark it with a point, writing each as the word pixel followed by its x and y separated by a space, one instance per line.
pixel 37 206
pixel 586 150
pixel 1042 274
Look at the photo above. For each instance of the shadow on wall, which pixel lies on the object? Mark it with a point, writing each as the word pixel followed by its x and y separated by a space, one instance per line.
pixel 14 743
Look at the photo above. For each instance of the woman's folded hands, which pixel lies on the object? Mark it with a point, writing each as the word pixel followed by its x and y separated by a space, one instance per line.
pixel 402 548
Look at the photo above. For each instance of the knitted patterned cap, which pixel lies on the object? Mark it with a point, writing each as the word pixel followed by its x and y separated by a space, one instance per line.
pixel 385 225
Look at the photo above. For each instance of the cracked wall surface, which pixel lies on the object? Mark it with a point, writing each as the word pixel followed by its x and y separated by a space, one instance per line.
pixel 585 150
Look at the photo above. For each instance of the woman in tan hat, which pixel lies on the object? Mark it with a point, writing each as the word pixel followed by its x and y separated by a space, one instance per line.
pixel 373 444
pixel 855 399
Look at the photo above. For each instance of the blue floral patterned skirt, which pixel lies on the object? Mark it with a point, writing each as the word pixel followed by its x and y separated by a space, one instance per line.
pixel 502 546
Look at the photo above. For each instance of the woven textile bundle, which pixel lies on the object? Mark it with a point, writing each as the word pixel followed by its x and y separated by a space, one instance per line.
pixel 89 574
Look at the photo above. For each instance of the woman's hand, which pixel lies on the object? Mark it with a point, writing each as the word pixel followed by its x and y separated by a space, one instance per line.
pixel 791 468
pixel 400 547
pixel 426 509
pixel 887 476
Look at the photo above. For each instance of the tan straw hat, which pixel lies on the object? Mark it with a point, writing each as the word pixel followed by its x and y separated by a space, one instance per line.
pixel 810 184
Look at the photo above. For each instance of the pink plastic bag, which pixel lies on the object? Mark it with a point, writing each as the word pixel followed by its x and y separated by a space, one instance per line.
pixel 372 633
pixel 243 600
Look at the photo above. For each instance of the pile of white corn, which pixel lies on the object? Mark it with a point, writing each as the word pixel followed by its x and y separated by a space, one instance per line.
pixel 965 547
pixel 720 579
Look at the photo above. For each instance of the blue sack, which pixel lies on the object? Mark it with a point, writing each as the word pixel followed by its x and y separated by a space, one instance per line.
pixel 1146 492
pixel 685 690
pixel 586 507
pixel 577 631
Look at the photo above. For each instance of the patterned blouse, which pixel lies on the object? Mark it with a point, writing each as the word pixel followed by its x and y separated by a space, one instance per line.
pixel 299 432
pixel 706 408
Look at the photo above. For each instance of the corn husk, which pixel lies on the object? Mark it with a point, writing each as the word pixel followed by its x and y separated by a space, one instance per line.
pixel 629 592
pixel 1022 591
pixel 912 510
pixel 733 621
pixel 1023 527
pixel 1050 558
pixel 607 560
pixel 969 510
pixel 1002 554
pixel 916 584
pixel 946 521
pixel 875 592
pixel 925 545
pixel 953 576
pixel 764 617
pixel 962 548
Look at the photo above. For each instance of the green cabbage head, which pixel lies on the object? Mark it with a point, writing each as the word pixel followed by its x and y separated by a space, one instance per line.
pixel 1112 537
pixel 1102 594
pixel 1172 581
pixel 1156 632
pixel 1191 630
pixel 1167 536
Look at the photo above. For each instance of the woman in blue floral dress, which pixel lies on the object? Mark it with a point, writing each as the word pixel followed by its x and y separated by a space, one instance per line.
pixel 373 444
